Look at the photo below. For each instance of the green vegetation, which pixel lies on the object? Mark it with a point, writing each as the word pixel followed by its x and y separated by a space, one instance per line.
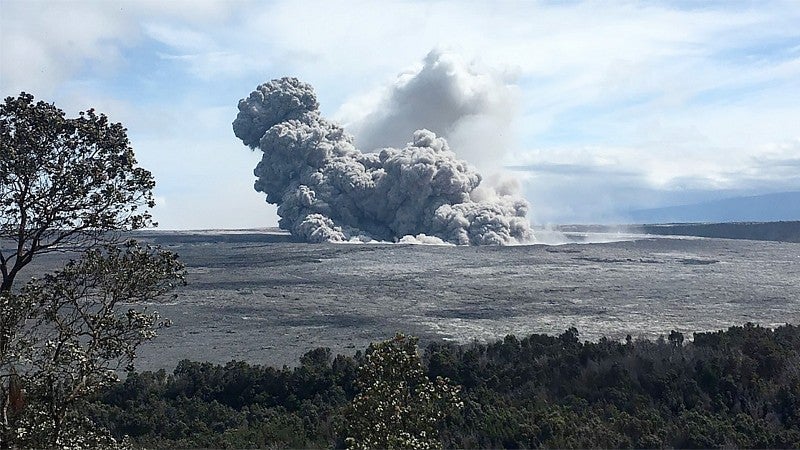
pixel 397 406
pixel 70 184
pixel 64 182
pixel 739 387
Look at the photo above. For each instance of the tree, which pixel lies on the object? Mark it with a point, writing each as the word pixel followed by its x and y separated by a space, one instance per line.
pixel 63 182
pixel 69 184
pixel 78 339
pixel 397 406
pixel 675 338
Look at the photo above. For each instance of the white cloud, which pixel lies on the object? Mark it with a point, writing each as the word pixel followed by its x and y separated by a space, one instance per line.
pixel 179 38
pixel 42 46
pixel 45 43
pixel 648 95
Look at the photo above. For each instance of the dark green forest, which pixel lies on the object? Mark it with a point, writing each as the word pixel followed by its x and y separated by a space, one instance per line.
pixel 734 388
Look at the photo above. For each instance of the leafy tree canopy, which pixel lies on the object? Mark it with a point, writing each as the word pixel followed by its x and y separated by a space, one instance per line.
pixel 69 184
pixel 81 329
pixel 63 181
pixel 398 406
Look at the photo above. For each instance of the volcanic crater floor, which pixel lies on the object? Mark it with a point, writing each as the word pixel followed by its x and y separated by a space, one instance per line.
pixel 261 298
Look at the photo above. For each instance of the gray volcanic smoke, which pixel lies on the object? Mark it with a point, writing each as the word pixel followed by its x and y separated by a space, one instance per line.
pixel 327 190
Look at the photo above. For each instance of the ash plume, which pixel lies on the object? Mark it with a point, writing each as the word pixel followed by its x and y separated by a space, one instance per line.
pixel 327 190
pixel 471 105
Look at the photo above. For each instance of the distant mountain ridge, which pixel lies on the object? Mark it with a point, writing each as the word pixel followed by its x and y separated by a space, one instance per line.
pixel 763 231
pixel 782 206
pixel 786 231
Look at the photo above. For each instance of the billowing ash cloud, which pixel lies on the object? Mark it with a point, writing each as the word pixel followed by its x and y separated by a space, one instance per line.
pixel 327 190
pixel 471 105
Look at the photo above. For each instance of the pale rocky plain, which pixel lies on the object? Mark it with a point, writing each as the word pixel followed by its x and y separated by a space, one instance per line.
pixel 258 296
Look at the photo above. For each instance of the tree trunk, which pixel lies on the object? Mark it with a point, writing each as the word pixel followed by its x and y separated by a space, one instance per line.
pixel 5 429
pixel 8 281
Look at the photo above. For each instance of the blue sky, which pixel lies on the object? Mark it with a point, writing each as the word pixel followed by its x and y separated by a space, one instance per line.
pixel 599 107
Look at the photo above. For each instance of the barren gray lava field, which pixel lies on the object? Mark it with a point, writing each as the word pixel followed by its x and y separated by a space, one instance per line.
pixel 261 298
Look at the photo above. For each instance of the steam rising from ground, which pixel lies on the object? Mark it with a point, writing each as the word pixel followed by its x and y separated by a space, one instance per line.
pixel 327 190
